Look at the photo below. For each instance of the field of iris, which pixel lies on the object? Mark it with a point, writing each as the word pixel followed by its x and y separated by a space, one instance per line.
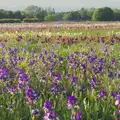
pixel 60 71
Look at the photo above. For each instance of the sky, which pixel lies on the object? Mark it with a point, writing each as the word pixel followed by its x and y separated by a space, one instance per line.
pixel 62 5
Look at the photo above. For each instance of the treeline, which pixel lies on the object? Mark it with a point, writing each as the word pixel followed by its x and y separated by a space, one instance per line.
pixel 37 14
pixel 91 14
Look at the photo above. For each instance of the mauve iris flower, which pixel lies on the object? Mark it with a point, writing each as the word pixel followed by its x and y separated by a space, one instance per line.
pixel 50 116
pixel 49 113
pixel 2 45
pixel 11 90
pixel 118 112
pixel 76 116
pixel 117 100
pixel 20 71
pixel 19 38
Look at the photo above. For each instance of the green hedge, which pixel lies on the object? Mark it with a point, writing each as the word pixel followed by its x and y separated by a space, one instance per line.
pixel 10 21
pixel 31 20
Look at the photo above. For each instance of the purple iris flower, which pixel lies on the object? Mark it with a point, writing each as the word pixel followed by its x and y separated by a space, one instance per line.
pixel 55 88
pixel 57 76
pixel 93 83
pixel 83 67
pixel 113 94
pixel 102 94
pixel 112 62
pixel 35 112
pixel 110 74
pixel 60 58
pixel 20 86
pixel 68 76
pixel 31 95
pixel 71 102
pixel 4 73
pixel 74 80
pixel 92 58
pixel 47 106
pixel 32 62
pixel 23 78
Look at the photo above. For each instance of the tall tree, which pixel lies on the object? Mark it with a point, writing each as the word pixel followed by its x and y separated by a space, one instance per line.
pixel 2 13
pixel 10 14
pixel 72 16
pixel 18 14
pixel 103 14
pixel 31 11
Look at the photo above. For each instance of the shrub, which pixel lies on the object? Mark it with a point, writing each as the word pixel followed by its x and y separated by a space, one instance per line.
pixel 31 20
pixel 10 21
pixel 54 17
